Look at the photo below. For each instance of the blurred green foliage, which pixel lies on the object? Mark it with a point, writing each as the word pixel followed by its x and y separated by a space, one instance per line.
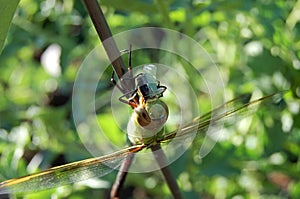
pixel 257 48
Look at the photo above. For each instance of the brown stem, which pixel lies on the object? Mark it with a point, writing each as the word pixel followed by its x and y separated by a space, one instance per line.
pixel 161 159
pixel 120 179
pixel 104 34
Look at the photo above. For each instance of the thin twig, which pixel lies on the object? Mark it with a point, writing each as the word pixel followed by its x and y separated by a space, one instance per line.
pixel 161 159
pixel 120 179
pixel 114 56
pixel 104 33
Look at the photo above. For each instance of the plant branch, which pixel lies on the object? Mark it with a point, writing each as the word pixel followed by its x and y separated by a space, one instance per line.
pixel 120 179
pixel 161 159
pixel 104 34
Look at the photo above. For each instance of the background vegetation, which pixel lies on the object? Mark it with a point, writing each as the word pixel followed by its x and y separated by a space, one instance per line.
pixel 257 48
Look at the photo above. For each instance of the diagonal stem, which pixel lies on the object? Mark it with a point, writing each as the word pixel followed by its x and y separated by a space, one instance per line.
pixel 161 160
pixel 120 179
pixel 119 67
pixel 104 34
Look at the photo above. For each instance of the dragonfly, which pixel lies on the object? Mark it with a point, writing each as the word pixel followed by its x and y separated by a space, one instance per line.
pixel 150 113
pixel 145 126
pixel 149 116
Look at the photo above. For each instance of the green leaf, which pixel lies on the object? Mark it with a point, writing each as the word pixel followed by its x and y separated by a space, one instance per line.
pixel 7 10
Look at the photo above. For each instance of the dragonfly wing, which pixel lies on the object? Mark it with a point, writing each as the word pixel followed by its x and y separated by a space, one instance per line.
pixel 213 122
pixel 69 173
pixel 233 111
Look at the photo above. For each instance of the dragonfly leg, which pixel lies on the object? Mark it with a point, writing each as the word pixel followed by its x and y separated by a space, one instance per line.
pixel 114 82
pixel 133 101
pixel 132 98
pixel 129 62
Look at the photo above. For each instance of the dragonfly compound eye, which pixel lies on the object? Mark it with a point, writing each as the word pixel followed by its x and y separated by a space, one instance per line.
pixel 158 112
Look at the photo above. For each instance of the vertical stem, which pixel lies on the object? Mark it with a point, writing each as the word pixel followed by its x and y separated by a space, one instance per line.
pixel 104 33
pixel 161 159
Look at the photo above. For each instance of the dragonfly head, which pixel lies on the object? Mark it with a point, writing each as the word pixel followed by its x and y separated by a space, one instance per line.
pixel 148 87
